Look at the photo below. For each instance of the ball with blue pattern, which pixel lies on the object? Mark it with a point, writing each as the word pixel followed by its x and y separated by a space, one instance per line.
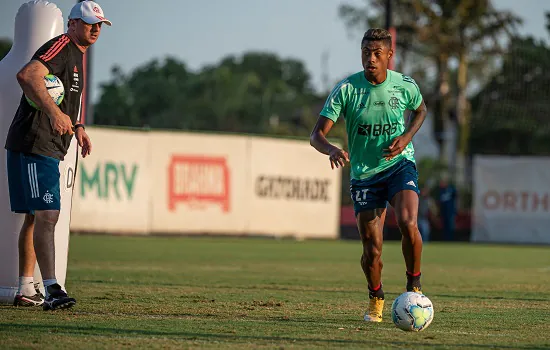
pixel 55 89
pixel 412 312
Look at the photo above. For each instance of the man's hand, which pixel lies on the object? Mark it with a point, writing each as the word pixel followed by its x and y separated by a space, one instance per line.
pixel 337 157
pixel 400 142
pixel 318 140
pixel 61 123
pixel 397 146
pixel 84 142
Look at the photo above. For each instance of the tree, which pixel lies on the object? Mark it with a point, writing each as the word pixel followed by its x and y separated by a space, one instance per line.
pixel 149 96
pixel 416 24
pixel 511 111
pixel 257 92
pixel 439 30
pixel 478 32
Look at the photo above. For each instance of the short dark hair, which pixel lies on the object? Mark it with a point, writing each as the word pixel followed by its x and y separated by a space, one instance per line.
pixel 377 34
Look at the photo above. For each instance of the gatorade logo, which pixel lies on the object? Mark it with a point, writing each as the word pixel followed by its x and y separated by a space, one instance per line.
pixel 292 188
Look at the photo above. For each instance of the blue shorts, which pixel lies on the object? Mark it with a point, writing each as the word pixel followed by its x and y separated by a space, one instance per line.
pixel 376 191
pixel 33 182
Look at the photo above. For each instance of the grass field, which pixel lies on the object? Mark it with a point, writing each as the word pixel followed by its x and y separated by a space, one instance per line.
pixel 204 292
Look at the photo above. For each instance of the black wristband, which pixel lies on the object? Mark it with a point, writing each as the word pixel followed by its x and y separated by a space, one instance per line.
pixel 79 126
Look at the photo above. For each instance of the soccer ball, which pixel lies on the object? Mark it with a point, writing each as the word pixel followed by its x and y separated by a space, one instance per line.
pixel 55 89
pixel 412 312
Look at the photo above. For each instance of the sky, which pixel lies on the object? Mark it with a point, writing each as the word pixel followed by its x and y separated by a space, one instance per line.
pixel 203 32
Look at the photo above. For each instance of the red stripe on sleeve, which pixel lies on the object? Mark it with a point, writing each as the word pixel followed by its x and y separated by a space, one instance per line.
pixel 55 49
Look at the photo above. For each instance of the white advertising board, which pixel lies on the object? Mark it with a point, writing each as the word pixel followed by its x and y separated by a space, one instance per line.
pixel 511 200
pixel 292 190
pixel 111 191
pixel 192 183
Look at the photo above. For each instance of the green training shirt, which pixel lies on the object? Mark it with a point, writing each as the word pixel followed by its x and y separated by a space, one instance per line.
pixel 374 116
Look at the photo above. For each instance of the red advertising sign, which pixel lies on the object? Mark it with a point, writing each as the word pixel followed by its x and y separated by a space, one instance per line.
pixel 197 181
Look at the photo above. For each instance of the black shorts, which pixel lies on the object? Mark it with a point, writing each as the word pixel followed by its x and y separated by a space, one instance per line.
pixel 376 191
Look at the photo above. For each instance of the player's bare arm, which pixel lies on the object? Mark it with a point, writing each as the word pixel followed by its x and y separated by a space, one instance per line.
pixel 400 142
pixel 318 140
pixel 31 80
pixel 83 140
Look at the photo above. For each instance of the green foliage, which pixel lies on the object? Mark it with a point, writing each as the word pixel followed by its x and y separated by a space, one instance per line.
pixel 432 32
pixel 430 170
pixel 511 111
pixel 254 93
pixel 465 198
pixel 5 46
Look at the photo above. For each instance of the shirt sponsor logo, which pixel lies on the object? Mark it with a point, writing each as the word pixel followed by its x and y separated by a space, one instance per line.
pixel 76 79
pixel 377 129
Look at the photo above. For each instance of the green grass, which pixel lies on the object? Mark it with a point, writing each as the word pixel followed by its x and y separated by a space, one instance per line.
pixel 204 292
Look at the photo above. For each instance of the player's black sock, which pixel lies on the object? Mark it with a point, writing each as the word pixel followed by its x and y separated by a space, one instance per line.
pixel 413 281
pixel 376 292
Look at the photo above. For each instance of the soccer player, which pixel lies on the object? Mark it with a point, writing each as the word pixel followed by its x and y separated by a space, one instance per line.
pixel 381 157
pixel 37 140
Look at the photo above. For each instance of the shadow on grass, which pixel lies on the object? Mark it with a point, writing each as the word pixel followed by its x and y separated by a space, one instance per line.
pixel 14 328
pixel 305 289
pixel 483 297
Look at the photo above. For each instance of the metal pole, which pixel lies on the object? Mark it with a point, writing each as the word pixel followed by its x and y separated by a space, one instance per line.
pixel 391 29
pixel 388 14
pixel 86 114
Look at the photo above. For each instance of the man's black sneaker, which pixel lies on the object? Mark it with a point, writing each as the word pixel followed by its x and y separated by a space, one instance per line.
pixel 57 299
pixel 25 300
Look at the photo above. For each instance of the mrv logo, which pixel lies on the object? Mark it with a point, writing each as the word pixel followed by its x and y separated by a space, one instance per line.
pixel 292 188
pixel 109 180
pixel 377 129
